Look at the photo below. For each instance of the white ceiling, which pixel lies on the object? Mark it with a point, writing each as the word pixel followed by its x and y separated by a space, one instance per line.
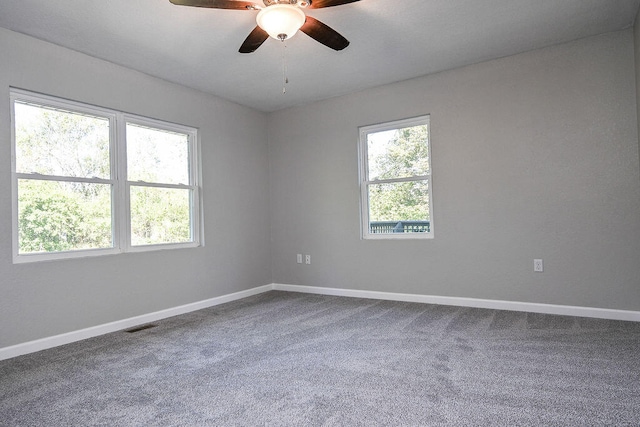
pixel 391 40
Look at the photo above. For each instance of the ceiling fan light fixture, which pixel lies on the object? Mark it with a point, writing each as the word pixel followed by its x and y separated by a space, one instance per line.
pixel 281 21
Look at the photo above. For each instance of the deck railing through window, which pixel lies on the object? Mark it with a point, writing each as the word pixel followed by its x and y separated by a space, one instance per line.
pixel 380 227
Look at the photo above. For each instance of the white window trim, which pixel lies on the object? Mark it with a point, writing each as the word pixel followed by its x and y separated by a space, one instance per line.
pixel 120 210
pixel 365 182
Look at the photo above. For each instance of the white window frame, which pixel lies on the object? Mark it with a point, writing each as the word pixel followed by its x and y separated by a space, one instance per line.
pixel 365 182
pixel 120 208
pixel 194 177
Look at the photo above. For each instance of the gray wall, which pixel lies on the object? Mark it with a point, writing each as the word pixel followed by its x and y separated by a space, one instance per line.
pixel 534 156
pixel 44 299
pixel 636 39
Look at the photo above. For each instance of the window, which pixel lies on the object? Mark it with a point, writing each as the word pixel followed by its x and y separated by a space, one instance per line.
pixel 395 180
pixel 92 181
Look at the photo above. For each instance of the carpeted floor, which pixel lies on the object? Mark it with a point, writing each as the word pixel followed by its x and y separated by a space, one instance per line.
pixel 298 359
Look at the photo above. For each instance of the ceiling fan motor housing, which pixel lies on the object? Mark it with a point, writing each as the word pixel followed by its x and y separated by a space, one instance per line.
pixel 299 3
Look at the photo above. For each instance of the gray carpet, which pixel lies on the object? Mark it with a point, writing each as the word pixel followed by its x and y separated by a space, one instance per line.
pixel 297 359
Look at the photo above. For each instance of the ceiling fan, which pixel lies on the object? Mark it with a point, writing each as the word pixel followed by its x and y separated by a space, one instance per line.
pixel 280 19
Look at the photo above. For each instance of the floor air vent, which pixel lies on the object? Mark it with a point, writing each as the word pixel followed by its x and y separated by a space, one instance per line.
pixel 139 328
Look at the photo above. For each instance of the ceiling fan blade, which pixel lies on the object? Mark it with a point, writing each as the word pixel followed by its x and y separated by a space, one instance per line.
pixel 324 34
pixel 218 4
pixel 254 40
pixel 317 4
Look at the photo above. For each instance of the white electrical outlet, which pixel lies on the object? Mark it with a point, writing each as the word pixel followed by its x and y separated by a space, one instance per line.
pixel 537 266
pixel 307 259
pixel 299 258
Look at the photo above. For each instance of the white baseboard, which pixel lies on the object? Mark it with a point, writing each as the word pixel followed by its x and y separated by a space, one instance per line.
pixel 69 337
pixel 566 310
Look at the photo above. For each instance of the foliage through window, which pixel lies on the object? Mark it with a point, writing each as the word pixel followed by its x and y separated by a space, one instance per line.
pixel 68 197
pixel 395 179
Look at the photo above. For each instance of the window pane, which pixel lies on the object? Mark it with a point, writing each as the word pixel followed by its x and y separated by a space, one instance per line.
pixel 398 153
pixel 54 142
pixel 63 216
pixel 160 215
pixel 156 155
pixel 399 207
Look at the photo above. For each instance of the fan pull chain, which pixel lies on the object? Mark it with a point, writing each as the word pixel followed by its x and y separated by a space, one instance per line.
pixel 285 79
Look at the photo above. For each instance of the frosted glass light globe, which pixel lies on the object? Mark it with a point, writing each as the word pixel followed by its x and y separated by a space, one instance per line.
pixel 281 21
